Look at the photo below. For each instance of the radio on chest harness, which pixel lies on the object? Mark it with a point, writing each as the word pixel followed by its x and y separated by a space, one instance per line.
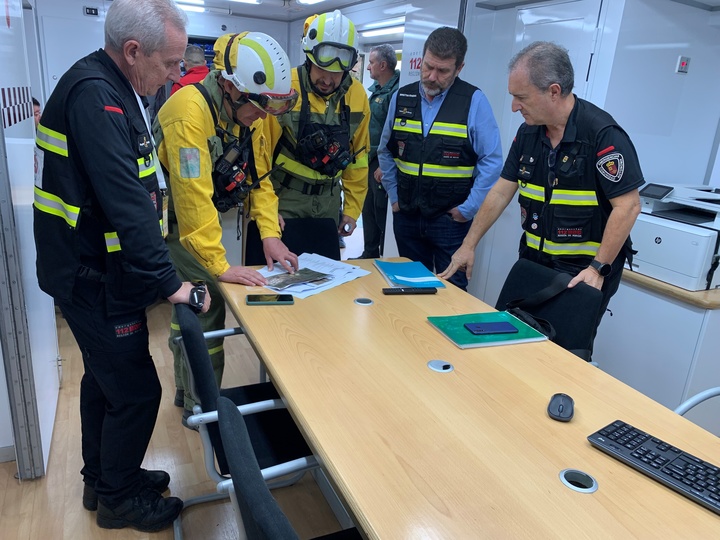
pixel 231 170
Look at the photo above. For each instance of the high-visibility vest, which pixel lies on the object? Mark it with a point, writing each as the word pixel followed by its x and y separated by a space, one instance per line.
pixel 434 173
pixel 561 213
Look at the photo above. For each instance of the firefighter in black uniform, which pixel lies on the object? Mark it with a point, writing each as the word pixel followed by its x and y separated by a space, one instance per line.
pixel 98 218
pixel 577 172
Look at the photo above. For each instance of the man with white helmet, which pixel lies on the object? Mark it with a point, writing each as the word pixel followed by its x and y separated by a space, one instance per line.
pixel 205 134
pixel 319 149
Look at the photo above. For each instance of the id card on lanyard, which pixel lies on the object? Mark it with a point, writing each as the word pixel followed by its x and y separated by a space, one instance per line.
pixel 158 170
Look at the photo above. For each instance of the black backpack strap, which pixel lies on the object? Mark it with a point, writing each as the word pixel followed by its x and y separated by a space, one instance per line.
pixel 558 285
pixel 201 88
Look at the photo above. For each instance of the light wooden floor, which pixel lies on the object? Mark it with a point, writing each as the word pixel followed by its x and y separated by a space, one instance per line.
pixel 51 508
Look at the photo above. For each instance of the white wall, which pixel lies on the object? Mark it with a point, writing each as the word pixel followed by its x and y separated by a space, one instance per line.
pixel 672 118
pixel 40 314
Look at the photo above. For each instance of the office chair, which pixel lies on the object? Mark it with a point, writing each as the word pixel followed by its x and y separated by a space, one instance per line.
pixel 277 443
pixel 301 235
pixel 698 398
pixel 257 513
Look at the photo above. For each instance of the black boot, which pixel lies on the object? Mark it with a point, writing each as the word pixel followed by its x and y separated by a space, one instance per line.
pixel 157 480
pixel 147 511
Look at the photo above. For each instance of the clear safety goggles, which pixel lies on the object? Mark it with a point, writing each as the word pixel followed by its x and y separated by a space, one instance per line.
pixel 327 53
pixel 275 104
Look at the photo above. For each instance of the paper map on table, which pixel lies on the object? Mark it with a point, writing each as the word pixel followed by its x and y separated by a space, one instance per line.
pixel 304 275
pixel 337 273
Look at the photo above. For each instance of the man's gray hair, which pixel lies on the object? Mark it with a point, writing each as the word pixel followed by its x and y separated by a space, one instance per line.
pixel 385 53
pixel 547 63
pixel 194 56
pixel 143 21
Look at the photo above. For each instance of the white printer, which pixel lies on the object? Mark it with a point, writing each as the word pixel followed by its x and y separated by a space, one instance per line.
pixel 676 235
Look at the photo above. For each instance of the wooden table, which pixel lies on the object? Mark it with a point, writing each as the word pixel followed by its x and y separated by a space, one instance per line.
pixel 417 454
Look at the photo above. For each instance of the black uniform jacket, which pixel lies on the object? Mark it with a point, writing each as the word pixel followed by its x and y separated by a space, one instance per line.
pixel 98 207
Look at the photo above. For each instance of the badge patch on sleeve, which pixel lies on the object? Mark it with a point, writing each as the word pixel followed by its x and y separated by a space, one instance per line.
pixel 190 163
pixel 611 166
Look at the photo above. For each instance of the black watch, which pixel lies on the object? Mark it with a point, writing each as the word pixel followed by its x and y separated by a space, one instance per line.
pixel 603 269
pixel 197 296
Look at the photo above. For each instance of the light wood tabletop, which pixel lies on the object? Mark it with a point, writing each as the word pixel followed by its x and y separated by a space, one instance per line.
pixel 470 453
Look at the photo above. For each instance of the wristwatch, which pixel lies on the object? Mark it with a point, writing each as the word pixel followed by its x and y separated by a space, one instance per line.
pixel 197 296
pixel 603 269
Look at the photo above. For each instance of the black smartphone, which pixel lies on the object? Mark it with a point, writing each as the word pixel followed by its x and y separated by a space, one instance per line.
pixel 486 328
pixel 269 299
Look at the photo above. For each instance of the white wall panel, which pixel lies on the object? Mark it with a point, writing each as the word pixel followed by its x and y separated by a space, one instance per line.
pixel 672 118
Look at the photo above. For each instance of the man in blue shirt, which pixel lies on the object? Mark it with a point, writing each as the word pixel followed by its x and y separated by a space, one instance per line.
pixel 439 155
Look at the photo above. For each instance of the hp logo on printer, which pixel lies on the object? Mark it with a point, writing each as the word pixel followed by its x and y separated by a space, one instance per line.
pixel 658 240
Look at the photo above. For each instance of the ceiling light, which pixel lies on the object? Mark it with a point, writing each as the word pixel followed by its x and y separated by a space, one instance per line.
pixel 309 2
pixel 396 21
pixel 194 9
pixel 248 1
pixel 383 31
pixel 194 2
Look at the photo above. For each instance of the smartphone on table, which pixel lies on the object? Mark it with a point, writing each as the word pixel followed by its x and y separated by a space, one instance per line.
pixel 487 328
pixel 269 299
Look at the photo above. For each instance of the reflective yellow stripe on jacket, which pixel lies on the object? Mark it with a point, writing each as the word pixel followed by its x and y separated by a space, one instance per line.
pixel 411 126
pixel 452 130
pixel 52 141
pixel 568 197
pixel 146 166
pixel 112 242
pixel 52 204
pixel 437 171
pixel 565 248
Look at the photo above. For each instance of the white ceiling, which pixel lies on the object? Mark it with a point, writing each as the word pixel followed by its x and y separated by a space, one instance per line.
pixel 290 10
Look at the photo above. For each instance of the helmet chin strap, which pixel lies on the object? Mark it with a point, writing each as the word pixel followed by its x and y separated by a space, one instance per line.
pixel 235 106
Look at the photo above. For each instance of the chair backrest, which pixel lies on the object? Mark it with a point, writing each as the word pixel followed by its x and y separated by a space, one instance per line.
pixel 262 518
pixel 697 399
pixel 301 235
pixel 205 387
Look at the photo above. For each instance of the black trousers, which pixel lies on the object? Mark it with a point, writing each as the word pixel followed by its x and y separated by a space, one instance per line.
pixel 119 392
pixel 374 214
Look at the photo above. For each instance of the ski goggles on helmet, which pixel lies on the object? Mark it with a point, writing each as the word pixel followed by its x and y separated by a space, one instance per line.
pixel 326 54
pixel 275 104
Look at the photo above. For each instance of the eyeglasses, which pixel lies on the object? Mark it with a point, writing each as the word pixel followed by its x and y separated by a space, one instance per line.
pixel 327 53
pixel 552 157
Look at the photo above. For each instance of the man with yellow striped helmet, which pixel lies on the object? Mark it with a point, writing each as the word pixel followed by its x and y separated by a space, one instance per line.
pixel 205 134
pixel 319 149
pixel 330 42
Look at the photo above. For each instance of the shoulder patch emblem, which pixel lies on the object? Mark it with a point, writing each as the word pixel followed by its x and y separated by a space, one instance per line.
pixel 611 166
pixel 189 163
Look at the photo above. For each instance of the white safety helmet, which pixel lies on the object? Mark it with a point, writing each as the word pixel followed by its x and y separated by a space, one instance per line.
pixel 330 41
pixel 257 66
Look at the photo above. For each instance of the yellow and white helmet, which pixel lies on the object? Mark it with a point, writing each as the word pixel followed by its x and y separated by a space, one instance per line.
pixel 330 41
pixel 257 66
pixel 219 49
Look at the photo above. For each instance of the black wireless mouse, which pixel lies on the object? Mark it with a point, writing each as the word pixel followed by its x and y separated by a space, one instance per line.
pixel 561 407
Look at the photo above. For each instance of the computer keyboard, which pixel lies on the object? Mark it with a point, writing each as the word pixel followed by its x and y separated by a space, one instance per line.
pixel 690 476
